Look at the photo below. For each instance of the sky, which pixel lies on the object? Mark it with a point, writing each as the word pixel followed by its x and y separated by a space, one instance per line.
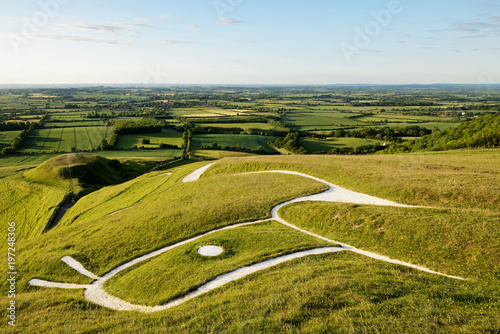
pixel 299 42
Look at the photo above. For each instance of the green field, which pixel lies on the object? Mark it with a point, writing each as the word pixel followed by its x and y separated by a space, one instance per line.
pixel 244 126
pixel 87 123
pixel 63 139
pixel 202 112
pixel 251 142
pixel 6 137
pixel 35 159
pixel 169 137
pixel 309 119
pixel 326 145
pixel 67 115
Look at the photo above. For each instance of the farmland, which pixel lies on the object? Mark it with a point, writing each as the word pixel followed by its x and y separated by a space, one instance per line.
pixel 230 117
pixel 166 136
pixel 67 139
pixel 326 145
pixel 251 142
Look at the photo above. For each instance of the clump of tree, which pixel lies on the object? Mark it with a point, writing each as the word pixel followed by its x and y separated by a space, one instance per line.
pixel 187 138
pixel 481 132
pixel 164 146
pixel 278 126
pixel 385 133
pixel 290 142
pixel 364 149
pixel 131 127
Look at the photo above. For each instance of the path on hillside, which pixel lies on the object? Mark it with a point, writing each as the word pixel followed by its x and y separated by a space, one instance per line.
pixel 95 291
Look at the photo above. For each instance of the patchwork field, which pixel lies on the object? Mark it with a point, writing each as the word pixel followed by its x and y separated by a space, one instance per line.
pixel 326 145
pixel 64 139
pixel 244 126
pixel 251 142
pixel 166 136
pixel 217 238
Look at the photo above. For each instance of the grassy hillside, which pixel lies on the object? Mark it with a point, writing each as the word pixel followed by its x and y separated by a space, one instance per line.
pixel 463 242
pixel 169 211
pixel 467 178
pixel 30 205
pixel 481 132
pixel 31 198
pixel 343 292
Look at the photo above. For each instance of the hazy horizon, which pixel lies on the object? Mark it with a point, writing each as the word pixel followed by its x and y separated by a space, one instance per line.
pixel 239 42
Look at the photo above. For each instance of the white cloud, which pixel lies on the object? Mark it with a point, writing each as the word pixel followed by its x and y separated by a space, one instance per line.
pixel 172 42
pixel 140 19
pixel 72 38
pixel 107 29
pixel 226 22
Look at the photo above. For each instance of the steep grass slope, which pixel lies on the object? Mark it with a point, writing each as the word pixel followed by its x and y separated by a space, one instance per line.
pixel 31 198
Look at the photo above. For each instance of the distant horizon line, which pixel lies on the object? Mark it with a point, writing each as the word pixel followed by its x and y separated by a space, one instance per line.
pixel 136 85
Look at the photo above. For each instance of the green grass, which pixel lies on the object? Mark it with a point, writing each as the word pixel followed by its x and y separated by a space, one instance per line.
pixel 251 142
pixel 459 242
pixel 175 273
pixel 463 178
pixel 165 211
pixel 36 159
pixel 326 145
pixel 30 205
pixel 244 126
pixel 402 118
pixel 169 137
pixel 73 124
pixel 6 138
pixel 63 139
pixel 310 119
pixel 30 197
pixel 334 293
pixel 67 115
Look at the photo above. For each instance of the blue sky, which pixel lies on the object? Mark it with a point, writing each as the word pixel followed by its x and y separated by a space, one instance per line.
pixel 249 41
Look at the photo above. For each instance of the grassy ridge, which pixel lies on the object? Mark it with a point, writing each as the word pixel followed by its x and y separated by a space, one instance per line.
pixel 467 179
pixel 31 198
pixel 178 272
pixel 459 242
pixel 335 293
